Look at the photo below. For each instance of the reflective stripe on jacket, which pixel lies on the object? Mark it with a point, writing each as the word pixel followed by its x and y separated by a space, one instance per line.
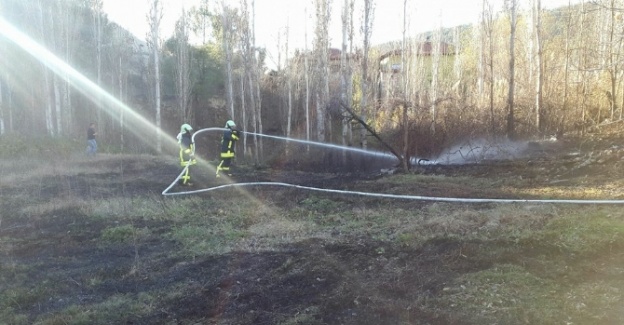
pixel 227 144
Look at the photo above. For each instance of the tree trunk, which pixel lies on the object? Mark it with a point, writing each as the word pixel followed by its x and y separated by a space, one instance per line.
pixel 561 126
pixel 120 80
pixel 367 30
pixel 435 47
pixel 70 33
pixel 9 106
pixel 612 59
pixel 406 124
pixel 244 113
pixel 289 91
pixel 481 56
pixel 256 75
pixel 47 97
pixel 155 18
pixel 2 128
pixel 405 81
pixel 487 66
pixel 458 64
pixel 583 59
pixel 55 78
pixel 227 35
pixel 183 70
pixel 491 71
pixel 306 71
pixel 344 76
pixel 322 71
pixel 512 64
pixel 254 111
pixel 539 81
pixel 97 12
pixel 57 104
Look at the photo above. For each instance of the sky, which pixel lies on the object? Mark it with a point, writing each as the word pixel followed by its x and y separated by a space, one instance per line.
pixel 273 16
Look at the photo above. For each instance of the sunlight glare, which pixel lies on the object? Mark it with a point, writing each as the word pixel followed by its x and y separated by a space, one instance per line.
pixel 88 88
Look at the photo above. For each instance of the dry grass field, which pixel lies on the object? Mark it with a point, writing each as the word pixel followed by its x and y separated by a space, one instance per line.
pixel 93 241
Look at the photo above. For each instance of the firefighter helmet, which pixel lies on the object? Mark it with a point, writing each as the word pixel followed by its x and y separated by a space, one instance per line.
pixel 186 128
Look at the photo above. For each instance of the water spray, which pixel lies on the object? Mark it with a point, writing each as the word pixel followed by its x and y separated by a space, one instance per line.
pixel 367 194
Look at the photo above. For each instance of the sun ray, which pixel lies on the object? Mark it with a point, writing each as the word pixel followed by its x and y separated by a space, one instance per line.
pixel 109 104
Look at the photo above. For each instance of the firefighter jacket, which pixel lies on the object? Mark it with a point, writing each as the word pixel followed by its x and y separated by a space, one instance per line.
pixel 227 143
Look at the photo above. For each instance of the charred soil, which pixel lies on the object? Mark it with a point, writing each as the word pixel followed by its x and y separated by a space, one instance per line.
pixel 93 241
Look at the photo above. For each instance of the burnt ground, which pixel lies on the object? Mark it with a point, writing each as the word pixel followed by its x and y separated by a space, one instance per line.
pixel 56 270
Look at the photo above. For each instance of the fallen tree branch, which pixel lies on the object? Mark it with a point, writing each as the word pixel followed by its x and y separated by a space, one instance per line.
pixel 370 130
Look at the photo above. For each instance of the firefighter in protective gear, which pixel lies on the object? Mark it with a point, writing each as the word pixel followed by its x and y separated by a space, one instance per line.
pixel 187 152
pixel 230 136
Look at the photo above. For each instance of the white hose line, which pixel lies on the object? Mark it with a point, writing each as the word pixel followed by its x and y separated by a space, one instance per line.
pixel 379 195
pixel 396 196
pixel 175 181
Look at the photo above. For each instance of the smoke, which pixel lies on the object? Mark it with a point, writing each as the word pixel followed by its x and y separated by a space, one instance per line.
pixel 480 150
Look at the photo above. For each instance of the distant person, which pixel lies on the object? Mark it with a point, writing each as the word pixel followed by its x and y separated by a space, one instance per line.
pixel 230 136
pixel 91 143
pixel 187 152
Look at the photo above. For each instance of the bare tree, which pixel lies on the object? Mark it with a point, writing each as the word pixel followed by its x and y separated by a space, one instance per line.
pixel 539 81
pixel 512 8
pixel 405 74
pixel 306 69
pixel 289 88
pixel 58 109
pixel 613 55
pixel 71 31
pixel 486 59
pixel 257 68
pixel 243 108
pixel 566 78
pixel 2 126
pixel 345 68
pixel 249 55
pixel 154 23
pixel 183 69
pixel 47 96
pixel 367 30
pixel 6 106
pixel 97 9
pixel 584 71
pixel 458 64
pixel 204 21
pixel 248 51
pixel 227 38
pixel 321 36
pixel 435 69
pixel 121 79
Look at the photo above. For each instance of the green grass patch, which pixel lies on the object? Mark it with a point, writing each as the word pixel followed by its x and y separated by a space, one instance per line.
pixel 9 316
pixel 207 240
pixel 123 234
pixel 17 298
pixel 320 205
pixel 14 146
pixel 583 234
pixel 503 294
pixel 595 302
pixel 117 309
